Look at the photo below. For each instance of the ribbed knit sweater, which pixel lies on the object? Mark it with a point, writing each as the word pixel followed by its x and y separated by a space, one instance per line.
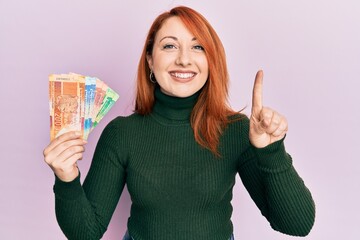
pixel 180 190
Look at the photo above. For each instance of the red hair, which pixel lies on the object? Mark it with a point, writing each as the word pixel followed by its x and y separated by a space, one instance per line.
pixel 210 114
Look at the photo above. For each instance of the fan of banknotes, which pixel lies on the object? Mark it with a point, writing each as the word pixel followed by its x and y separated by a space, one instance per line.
pixel 77 103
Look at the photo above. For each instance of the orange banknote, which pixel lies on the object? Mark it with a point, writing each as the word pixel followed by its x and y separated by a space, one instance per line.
pixel 65 99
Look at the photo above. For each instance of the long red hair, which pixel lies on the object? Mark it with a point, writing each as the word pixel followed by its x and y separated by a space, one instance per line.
pixel 211 113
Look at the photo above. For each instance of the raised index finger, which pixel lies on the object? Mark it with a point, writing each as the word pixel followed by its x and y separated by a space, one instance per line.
pixel 257 92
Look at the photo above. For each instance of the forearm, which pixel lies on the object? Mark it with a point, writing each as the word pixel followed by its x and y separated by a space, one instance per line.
pixel 74 213
pixel 290 206
pixel 280 193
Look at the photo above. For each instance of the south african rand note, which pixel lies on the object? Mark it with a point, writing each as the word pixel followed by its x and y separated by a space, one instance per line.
pixel 100 93
pixel 65 100
pixel 81 80
pixel 90 89
pixel 110 98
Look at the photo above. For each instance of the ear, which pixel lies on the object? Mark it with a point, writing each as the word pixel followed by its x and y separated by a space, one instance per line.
pixel 150 61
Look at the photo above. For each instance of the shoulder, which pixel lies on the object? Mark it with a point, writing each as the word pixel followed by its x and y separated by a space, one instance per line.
pixel 124 122
pixel 235 136
pixel 237 127
pixel 238 120
pixel 120 129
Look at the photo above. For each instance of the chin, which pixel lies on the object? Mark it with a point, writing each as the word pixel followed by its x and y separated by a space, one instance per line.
pixel 183 94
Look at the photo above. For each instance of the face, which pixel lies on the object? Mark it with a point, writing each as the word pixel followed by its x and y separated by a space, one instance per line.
pixel 178 61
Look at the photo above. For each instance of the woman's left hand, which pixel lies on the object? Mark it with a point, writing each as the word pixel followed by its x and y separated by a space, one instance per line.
pixel 266 125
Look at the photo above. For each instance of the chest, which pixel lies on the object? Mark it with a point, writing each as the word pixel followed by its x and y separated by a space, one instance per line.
pixel 168 167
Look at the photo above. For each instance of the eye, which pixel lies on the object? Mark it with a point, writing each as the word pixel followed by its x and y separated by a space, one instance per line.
pixel 199 47
pixel 169 46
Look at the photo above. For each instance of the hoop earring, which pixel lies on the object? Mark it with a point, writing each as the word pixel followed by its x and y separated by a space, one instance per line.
pixel 152 77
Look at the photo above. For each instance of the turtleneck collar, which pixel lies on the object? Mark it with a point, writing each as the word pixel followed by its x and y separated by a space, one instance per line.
pixel 173 110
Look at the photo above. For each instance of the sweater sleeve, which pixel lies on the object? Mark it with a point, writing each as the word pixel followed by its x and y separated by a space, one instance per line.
pixel 277 189
pixel 84 212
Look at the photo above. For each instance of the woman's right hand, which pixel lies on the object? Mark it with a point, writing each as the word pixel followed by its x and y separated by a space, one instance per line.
pixel 62 154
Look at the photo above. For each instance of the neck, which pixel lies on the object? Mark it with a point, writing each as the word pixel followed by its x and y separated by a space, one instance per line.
pixel 170 109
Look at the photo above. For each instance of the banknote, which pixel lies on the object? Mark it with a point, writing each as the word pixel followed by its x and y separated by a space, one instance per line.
pixel 77 103
pixel 90 89
pixel 65 104
pixel 100 94
pixel 81 80
pixel 110 98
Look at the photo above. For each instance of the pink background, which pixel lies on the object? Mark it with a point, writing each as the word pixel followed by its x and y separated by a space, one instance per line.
pixel 310 53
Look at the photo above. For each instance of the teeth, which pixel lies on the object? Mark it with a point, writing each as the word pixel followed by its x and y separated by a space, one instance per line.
pixel 183 75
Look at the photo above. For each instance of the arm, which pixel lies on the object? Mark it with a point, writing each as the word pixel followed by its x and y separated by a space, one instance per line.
pixel 84 212
pixel 276 188
pixel 267 171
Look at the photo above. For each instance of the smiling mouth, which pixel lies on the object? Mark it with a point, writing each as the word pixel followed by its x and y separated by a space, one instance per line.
pixel 183 76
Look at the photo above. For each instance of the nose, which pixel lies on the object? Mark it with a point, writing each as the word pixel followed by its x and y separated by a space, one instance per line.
pixel 184 58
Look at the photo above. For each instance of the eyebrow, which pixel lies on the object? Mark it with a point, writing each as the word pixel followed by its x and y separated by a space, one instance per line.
pixel 174 38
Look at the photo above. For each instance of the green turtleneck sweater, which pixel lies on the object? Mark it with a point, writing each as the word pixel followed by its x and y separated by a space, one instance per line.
pixel 178 189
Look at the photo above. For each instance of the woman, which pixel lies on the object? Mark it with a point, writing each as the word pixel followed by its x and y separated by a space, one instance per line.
pixel 180 151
